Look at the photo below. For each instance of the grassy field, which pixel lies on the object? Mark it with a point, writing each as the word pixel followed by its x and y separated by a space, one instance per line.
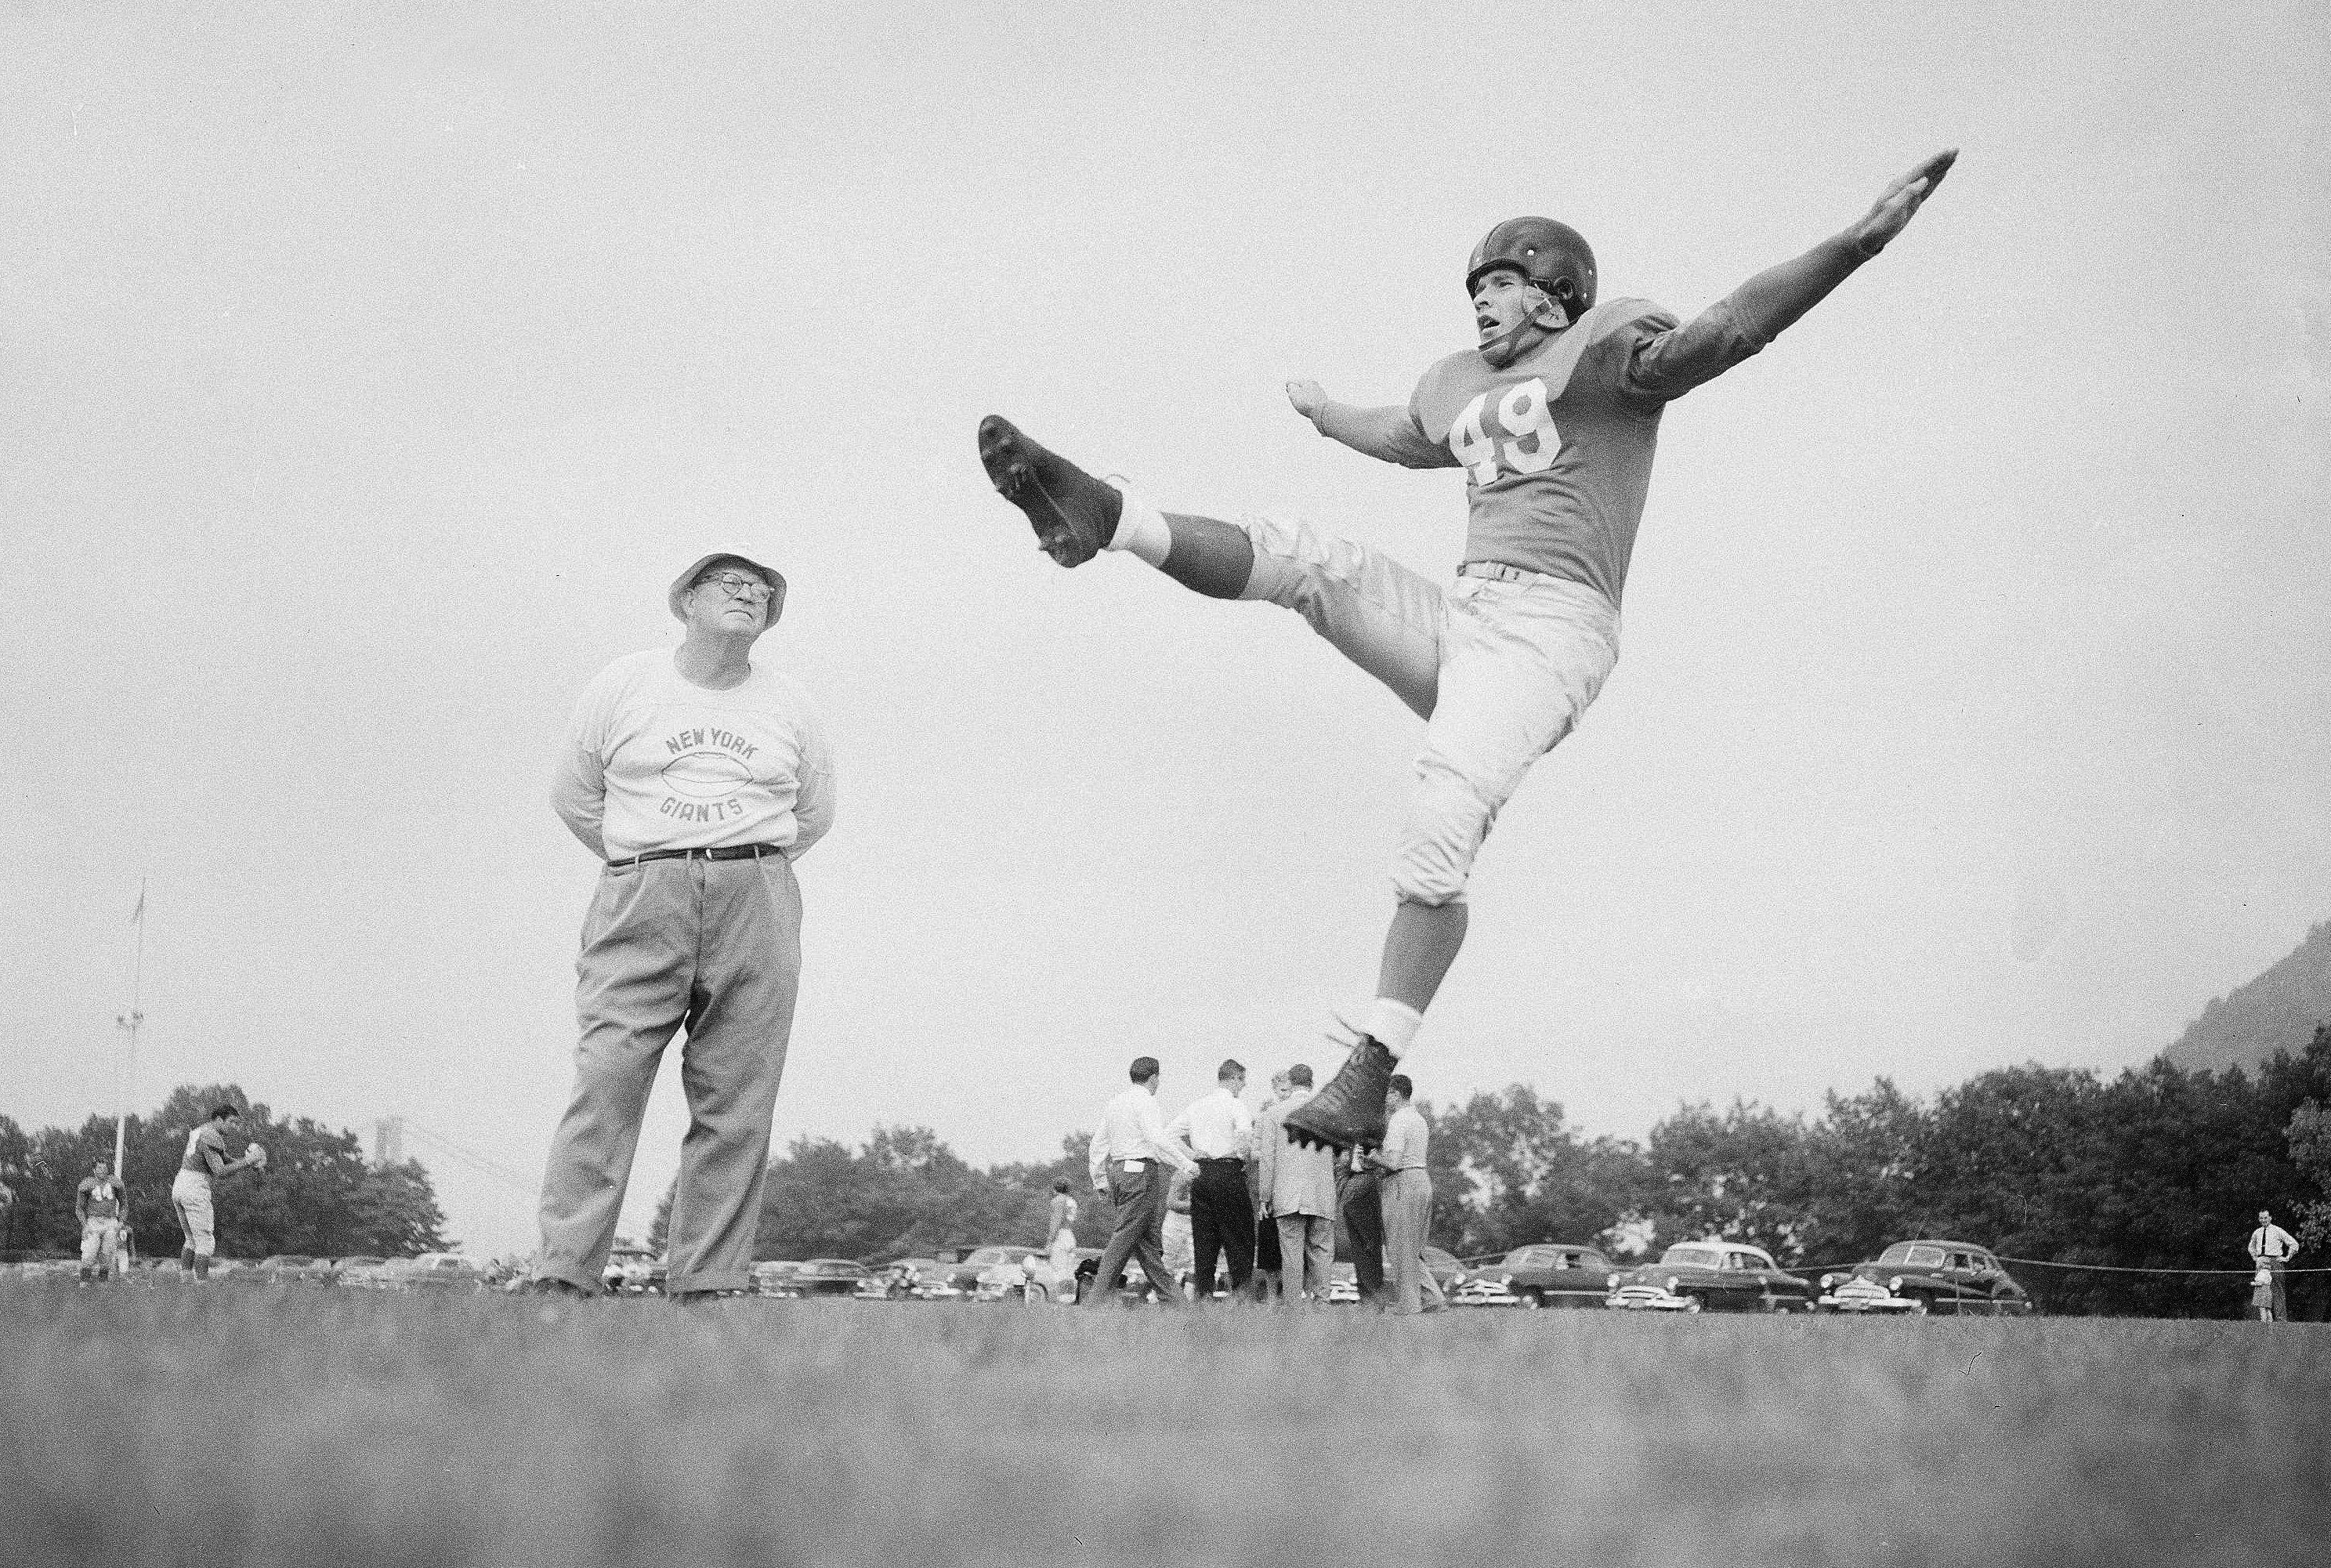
pixel 260 1427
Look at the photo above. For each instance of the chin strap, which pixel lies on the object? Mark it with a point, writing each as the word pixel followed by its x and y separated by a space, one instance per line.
pixel 1506 346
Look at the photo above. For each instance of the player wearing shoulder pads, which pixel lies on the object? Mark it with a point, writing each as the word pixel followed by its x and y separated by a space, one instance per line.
pixel 204 1162
pixel 98 1204
pixel 1553 415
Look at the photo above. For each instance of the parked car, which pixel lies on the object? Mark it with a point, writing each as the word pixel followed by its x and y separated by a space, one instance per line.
pixel 1343 1285
pixel 444 1271
pixel 1913 1279
pixel 777 1277
pixel 963 1272
pixel 632 1271
pixel 1445 1269
pixel 358 1270
pixel 1132 1284
pixel 1036 1279
pixel 831 1277
pixel 1709 1276
pixel 1546 1274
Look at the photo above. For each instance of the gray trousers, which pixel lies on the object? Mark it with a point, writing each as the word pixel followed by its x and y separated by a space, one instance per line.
pixel 1408 1217
pixel 714 945
pixel 1306 1247
pixel 1140 1202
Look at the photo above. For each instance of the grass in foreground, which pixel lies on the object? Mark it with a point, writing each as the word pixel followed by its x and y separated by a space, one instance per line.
pixel 263 1426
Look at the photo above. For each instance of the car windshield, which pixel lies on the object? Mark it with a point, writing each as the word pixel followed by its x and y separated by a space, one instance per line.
pixel 1923 1257
pixel 1694 1256
pixel 987 1255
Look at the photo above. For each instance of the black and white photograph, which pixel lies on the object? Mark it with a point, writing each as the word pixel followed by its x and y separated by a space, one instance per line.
pixel 1239 786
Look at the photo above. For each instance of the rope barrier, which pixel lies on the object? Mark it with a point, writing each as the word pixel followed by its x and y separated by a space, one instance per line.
pixel 2121 1268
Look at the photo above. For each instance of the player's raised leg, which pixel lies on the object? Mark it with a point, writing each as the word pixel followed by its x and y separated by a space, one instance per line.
pixel 1523 660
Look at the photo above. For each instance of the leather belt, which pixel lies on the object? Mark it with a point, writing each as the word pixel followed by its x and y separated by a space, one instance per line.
pixel 1499 570
pixel 1219 1160
pixel 724 852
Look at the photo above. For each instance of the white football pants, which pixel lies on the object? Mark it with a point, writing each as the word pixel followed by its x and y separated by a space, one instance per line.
pixel 1500 670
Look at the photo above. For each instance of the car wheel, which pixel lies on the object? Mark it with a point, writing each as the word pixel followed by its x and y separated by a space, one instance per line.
pixel 1694 1303
pixel 1920 1306
pixel 1532 1300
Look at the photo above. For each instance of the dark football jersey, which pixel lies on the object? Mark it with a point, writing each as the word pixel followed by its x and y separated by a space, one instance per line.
pixel 1557 445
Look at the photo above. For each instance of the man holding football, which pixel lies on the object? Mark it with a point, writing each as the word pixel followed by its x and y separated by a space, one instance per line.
pixel 1553 415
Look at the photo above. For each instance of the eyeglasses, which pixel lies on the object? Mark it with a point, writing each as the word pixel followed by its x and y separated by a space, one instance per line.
pixel 749 589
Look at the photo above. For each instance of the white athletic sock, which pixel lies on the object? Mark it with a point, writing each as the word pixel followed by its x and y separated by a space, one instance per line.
pixel 1394 1024
pixel 1141 528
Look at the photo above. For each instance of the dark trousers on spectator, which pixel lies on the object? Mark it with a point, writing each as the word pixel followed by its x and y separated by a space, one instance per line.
pixel 1221 1224
pixel 1140 1197
pixel 1361 1204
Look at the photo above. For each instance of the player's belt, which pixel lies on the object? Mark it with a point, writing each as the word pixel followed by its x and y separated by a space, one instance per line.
pixel 1497 570
pixel 725 852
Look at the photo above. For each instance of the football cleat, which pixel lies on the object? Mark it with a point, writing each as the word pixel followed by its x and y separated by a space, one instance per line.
pixel 1349 1113
pixel 1074 514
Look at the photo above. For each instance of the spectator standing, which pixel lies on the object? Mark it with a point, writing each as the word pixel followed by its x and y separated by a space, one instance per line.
pixel 1268 1276
pixel 1360 1199
pixel 2272 1248
pixel 1180 1254
pixel 1061 1234
pixel 1407 1199
pixel 96 1204
pixel 1298 1193
pixel 1220 1131
pixel 1128 1159
pixel 698 776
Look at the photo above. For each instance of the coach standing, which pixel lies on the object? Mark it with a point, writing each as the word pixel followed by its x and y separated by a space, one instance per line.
pixel 700 777
pixel 2272 1248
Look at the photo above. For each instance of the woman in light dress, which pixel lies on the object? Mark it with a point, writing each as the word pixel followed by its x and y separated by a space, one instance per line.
pixel 1062 1242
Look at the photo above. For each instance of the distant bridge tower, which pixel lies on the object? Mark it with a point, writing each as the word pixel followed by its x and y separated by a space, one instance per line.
pixel 388 1141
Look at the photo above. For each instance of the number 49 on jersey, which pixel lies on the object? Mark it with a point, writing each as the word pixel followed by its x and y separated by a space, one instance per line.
pixel 1527 444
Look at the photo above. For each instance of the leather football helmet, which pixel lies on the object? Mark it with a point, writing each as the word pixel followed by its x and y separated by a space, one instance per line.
pixel 1554 256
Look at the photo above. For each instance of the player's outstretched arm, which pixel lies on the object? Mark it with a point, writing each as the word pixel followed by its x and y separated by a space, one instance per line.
pixel 1767 304
pixel 1389 434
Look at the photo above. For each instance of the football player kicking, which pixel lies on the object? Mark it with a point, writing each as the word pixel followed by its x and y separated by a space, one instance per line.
pixel 1553 416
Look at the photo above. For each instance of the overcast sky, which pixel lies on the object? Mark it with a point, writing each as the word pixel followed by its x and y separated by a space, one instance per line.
pixel 367 372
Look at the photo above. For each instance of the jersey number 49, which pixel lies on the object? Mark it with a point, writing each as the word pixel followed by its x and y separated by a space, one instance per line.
pixel 1529 424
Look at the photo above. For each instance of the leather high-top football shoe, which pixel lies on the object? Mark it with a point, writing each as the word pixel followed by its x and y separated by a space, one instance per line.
pixel 1349 1113
pixel 1074 514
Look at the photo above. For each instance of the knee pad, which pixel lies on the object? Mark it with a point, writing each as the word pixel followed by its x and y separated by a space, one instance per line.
pixel 1447 821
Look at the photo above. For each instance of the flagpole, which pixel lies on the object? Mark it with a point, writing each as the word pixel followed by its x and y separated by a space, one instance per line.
pixel 130 1021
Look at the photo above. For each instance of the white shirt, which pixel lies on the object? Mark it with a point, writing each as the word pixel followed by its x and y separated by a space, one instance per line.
pixel 655 762
pixel 1406 1135
pixel 1131 1128
pixel 2272 1242
pixel 1217 1127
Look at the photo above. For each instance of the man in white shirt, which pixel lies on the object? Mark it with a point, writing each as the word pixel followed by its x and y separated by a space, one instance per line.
pixel 698 777
pixel 2271 1248
pixel 1220 1130
pixel 1127 1160
pixel 1407 1199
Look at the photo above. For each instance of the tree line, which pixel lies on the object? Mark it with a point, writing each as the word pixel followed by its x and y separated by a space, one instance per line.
pixel 2160 1168
pixel 318 1196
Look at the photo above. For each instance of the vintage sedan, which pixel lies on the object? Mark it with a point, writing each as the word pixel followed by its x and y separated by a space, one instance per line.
pixel 632 1271
pixel 963 1273
pixel 1709 1276
pixel 775 1276
pixel 1548 1274
pixel 1915 1278
pixel 831 1277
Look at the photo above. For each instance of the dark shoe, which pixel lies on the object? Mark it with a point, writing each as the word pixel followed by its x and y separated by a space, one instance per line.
pixel 1349 1113
pixel 1074 514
